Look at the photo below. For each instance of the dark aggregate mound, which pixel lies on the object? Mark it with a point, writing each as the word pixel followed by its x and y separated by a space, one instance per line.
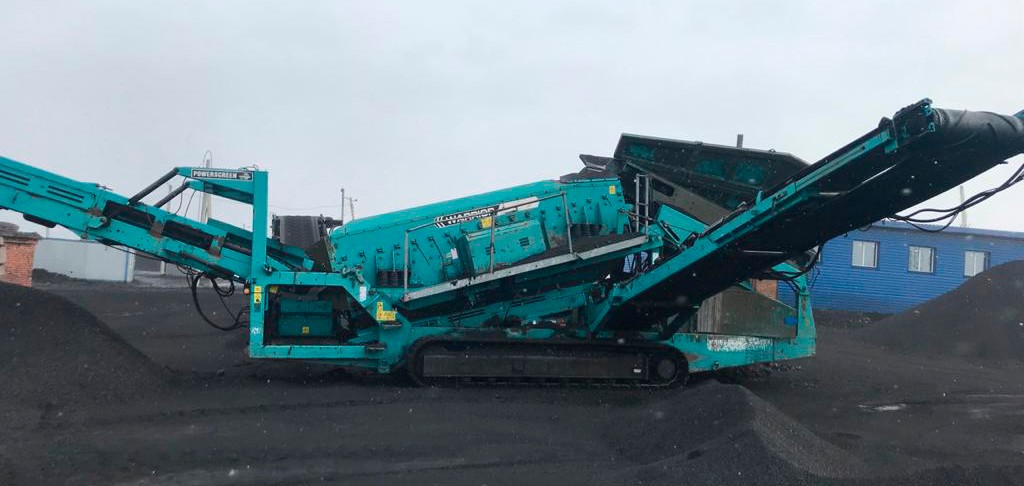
pixel 846 319
pixel 55 352
pixel 40 276
pixel 983 318
pixel 724 434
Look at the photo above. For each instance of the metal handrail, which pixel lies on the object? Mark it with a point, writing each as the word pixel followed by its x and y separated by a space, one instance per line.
pixel 494 223
pixel 405 255
pixel 568 221
pixel 646 201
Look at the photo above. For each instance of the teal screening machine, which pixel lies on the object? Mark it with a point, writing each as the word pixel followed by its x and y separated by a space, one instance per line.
pixel 636 271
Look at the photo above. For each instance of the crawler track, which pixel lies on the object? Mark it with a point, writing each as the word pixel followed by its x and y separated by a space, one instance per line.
pixel 455 362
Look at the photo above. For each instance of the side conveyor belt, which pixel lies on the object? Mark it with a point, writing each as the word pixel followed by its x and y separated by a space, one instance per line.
pixel 96 213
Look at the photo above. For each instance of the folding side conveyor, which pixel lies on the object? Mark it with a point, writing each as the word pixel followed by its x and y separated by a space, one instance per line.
pixel 94 212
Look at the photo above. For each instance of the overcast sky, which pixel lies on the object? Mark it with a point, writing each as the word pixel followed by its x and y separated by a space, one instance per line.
pixel 406 103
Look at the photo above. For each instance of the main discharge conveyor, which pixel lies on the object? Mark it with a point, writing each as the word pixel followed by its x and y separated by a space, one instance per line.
pixel 637 270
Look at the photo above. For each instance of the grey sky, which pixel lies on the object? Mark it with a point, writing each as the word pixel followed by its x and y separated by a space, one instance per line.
pixel 407 103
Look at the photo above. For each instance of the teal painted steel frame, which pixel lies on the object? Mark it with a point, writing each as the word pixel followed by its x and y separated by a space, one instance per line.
pixel 78 206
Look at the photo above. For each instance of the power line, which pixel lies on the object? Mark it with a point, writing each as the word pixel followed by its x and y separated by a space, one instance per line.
pixel 300 209
pixel 949 214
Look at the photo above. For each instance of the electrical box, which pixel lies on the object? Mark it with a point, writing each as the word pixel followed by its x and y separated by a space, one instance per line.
pixel 512 243
pixel 298 318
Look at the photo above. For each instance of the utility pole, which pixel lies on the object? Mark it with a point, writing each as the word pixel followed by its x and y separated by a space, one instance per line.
pixel 351 206
pixel 206 204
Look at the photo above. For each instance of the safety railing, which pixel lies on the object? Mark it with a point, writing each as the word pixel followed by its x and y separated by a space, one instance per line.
pixel 492 216
pixel 643 202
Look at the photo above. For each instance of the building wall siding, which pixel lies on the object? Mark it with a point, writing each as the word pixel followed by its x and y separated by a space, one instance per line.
pixel 891 287
pixel 85 259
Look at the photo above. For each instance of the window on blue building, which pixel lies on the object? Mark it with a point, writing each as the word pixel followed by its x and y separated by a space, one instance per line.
pixel 975 262
pixel 922 259
pixel 865 254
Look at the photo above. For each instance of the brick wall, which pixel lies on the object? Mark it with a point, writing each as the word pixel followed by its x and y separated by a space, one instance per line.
pixel 769 288
pixel 20 250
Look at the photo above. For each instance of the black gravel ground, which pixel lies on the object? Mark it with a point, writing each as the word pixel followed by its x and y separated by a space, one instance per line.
pixel 191 409
pixel 846 319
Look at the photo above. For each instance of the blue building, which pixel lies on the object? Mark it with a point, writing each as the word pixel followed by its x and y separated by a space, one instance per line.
pixel 892 266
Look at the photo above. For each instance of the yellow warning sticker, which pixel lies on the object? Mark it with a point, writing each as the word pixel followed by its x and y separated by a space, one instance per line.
pixel 383 315
pixel 611 189
pixel 257 294
pixel 305 329
pixel 485 222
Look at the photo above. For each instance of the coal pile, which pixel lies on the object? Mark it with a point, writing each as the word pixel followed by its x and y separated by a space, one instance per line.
pixel 53 352
pixel 41 276
pixel 846 319
pixel 724 434
pixel 983 318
